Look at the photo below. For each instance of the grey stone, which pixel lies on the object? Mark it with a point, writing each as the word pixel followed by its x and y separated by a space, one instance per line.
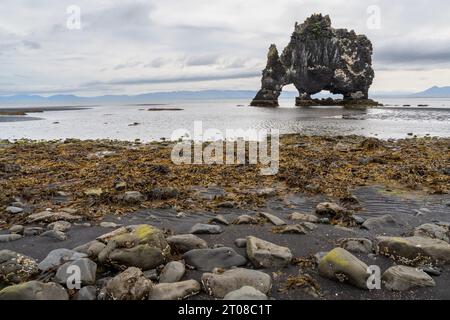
pixel 431 230
pixel 129 285
pixel 87 269
pixel 14 210
pixel 245 293
pixel 59 256
pixel 32 231
pixel 92 249
pixel 386 221
pixel 201 228
pixel 9 237
pixel 220 219
pixel 304 217
pixel 54 234
pixel 50 216
pixel 133 197
pixel 264 254
pixel 172 272
pixel 292 229
pixel 175 291
pixel 329 209
pixel 87 293
pixel 16 268
pixel 142 256
pixel 111 225
pixel 208 259
pixel 17 229
pixel 34 290
pixel 151 274
pixel 356 245
pixel 240 242
pixel 273 219
pixel 220 284
pixel 401 278
pixel 411 249
pixel 341 265
pixel 59 226
pixel 186 242
pixel 245 219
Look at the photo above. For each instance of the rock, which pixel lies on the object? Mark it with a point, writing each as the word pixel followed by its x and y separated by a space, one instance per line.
pixel 142 246
pixel 133 197
pixel 319 57
pixel 172 272
pixel 59 226
pixel 304 217
pixel 151 274
pixel 240 242
pixel 32 231
pixel 59 256
pixel 87 268
pixel 186 242
pixel 34 290
pixel 163 193
pixel 264 254
pixel 208 259
pixel 358 219
pixel 49 216
pixel 220 284
pixel 432 271
pixel 94 192
pixel 291 229
pixel 220 219
pixel 201 228
pixel 54 234
pixel 129 285
pixel 401 278
pixel 266 192
pixel 245 219
pixel 14 210
pixel 245 293
pixel 341 265
pixel 226 205
pixel 434 231
pixel 16 268
pixel 175 291
pixel 330 209
pixel 9 237
pixel 308 225
pixel 356 245
pixel 386 221
pixel 410 250
pixel 120 186
pixel 87 293
pixel 16 229
pixel 92 249
pixel 273 219
pixel 111 225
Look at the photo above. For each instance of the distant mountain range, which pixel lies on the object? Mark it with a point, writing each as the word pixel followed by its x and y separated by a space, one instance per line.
pixel 434 92
pixel 161 97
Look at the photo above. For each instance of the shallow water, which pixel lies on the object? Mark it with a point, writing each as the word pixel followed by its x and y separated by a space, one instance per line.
pixel 113 122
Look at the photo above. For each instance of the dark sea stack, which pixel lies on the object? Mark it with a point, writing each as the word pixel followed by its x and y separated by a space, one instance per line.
pixel 317 58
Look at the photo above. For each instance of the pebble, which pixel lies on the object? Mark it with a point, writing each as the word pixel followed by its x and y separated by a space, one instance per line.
pixel 9 237
pixel 201 228
pixel 186 242
pixel 32 231
pixel 17 229
pixel 111 225
pixel 264 254
pixel 54 234
pixel 240 242
pixel 172 272
pixel 245 293
pixel 208 259
pixel 273 219
pixel 14 210
pixel 175 291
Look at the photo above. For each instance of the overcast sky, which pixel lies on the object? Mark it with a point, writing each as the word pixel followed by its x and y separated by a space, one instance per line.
pixel 136 46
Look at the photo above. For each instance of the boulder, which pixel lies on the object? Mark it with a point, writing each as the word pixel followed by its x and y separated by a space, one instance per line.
pixel 59 256
pixel 245 293
pixel 432 230
pixel 356 245
pixel 34 290
pixel 186 242
pixel 172 272
pixel 304 217
pixel 412 250
pixel 201 228
pixel 401 278
pixel 273 219
pixel 220 284
pixel 341 265
pixel 131 284
pixel 16 268
pixel 175 291
pixel 385 221
pixel 264 254
pixel 87 269
pixel 208 259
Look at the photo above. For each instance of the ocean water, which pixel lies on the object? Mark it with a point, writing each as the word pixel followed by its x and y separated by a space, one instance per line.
pixel 394 120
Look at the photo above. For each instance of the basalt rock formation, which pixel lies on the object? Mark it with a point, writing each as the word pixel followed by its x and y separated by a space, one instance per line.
pixel 317 58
